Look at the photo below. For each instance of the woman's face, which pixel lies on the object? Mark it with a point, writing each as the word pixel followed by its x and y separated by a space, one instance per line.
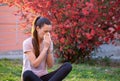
pixel 42 31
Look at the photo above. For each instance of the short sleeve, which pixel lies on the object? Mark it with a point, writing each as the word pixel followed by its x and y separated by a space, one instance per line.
pixel 50 50
pixel 27 46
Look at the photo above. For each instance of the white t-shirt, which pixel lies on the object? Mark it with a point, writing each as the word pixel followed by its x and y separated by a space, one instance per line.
pixel 42 69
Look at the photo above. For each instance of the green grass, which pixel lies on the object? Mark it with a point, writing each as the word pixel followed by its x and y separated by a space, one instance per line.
pixel 11 71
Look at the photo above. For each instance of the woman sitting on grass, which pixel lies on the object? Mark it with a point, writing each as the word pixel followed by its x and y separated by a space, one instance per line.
pixel 38 55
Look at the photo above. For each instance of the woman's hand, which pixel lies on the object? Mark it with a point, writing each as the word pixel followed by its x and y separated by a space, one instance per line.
pixel 47 40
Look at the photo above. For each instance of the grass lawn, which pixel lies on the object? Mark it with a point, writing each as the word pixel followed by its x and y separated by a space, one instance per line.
pixel 11 71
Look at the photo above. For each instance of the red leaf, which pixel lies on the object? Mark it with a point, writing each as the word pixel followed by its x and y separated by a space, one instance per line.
pixel 61 48
pixel 107 39
pixel 92 32
pixel 85 11
pixel 118 28
pixel 54 35
pixel 81 46
pixel 89 36
pixel 111 30
pixel 62 40
pixel 63 31
pixel 48 4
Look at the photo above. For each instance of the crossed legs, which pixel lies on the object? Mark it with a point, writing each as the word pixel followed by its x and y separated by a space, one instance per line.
pixel 57 75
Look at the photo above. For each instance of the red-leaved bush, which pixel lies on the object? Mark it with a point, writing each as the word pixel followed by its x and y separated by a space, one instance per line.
pixel 79 26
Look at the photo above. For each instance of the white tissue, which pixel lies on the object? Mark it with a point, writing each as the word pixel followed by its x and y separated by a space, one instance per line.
pixel 48 35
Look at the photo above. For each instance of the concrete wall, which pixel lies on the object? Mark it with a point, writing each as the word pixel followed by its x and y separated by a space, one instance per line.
pixel 108 50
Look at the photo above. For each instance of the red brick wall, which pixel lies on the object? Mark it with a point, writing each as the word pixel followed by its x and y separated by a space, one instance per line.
pixel 11 37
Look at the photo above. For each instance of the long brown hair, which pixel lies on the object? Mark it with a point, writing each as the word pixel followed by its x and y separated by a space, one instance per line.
pixel 39 21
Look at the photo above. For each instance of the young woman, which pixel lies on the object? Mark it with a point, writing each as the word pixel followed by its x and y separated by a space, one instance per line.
pixel 38 55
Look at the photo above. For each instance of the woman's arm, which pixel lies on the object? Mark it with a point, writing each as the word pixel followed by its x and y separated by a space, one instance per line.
pixel 50 57
pixel 50 60
pixel 35 62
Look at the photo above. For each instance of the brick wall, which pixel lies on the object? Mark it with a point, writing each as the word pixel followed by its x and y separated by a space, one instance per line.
pixel 11 37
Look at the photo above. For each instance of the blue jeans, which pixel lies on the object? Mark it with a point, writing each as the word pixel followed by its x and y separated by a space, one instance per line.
pixel 57 75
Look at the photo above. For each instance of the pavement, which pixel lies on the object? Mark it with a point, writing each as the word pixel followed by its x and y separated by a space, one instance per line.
pixel 11 55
